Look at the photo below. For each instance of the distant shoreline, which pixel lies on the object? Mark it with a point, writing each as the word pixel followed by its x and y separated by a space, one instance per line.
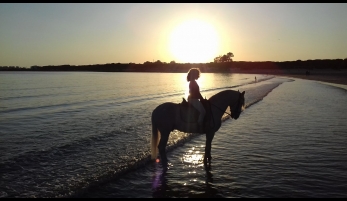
pixel 324 75
pixel 212 67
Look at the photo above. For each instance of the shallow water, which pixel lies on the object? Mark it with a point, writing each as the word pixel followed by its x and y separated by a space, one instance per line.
pixel 290 144
pixel 88 135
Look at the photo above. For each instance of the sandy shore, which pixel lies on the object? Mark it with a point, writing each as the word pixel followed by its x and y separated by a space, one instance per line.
pixel 330 76
pixel 336 81
pixel 323 78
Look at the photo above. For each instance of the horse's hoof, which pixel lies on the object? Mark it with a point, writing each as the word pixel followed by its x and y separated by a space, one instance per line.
pixel 165 165
pixel 165 169
pixel 208 159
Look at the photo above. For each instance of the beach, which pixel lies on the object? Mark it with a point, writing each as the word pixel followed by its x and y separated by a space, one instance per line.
pixel 82 134
pixel 334 78
pixel 325 75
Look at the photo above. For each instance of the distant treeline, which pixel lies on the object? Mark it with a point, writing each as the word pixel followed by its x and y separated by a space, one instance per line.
pixel 213 67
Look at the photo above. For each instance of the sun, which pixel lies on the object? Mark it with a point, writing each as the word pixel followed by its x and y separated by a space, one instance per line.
pixel 194 41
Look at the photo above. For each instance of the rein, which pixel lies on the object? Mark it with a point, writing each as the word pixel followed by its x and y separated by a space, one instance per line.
pixel 221 110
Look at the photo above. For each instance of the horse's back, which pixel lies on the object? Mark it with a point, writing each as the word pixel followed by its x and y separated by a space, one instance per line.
pixel 164 108
pixel 164 115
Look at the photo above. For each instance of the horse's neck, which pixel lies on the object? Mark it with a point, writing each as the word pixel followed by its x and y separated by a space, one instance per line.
pixel 221 101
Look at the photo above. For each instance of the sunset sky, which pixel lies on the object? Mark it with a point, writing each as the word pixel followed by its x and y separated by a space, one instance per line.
pixel 83 34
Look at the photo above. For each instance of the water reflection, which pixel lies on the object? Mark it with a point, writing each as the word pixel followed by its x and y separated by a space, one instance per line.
pixel 159 184
pixel 193 168
pixel 193 157
pixel 210 191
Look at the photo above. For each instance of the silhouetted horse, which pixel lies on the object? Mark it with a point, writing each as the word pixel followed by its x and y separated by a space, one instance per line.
pixel 183 117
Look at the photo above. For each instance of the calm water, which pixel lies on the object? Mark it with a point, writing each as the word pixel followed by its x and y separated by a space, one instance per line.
pixel 87 134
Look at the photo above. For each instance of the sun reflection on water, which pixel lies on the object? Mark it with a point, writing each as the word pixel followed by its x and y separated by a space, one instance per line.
pixel 193 157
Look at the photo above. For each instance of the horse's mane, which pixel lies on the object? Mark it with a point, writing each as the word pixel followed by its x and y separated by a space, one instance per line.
pixel 224 94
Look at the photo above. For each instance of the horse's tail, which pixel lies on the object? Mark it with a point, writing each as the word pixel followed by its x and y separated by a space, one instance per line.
pixel 154 142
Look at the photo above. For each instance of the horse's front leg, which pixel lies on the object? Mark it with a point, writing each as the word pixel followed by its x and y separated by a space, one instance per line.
pixel 209 138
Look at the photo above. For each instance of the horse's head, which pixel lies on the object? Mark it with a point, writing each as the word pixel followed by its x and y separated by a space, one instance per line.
pixel 237 107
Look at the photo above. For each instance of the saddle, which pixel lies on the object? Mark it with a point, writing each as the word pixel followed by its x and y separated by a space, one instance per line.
pixel 191 115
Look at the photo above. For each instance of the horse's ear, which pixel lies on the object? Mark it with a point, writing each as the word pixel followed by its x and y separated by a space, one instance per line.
pixel 243 93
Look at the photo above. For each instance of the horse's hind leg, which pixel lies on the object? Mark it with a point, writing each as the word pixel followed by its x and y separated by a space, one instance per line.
pixel 164 137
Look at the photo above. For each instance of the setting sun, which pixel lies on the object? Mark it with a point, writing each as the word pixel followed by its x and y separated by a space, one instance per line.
pixel 194 41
